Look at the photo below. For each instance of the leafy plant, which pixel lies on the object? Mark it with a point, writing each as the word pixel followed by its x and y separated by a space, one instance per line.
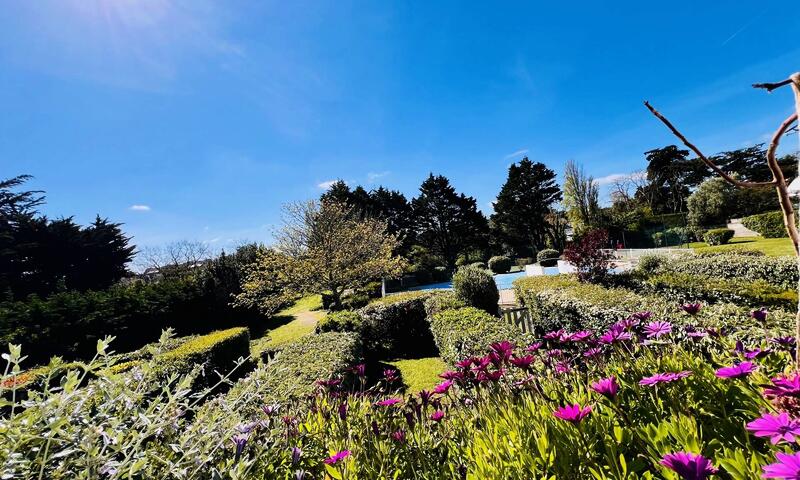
pixel 768 225
pixel 500 264
pixel 547 257
pixel 718 236
pixel 476 287
pixel 589 256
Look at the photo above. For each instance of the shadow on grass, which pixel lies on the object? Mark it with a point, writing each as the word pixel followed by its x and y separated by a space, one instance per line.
pixel 258 327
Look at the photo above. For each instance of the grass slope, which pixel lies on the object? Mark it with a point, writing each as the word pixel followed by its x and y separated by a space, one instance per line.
pixel 419 373
pixel 774 247
pixel 293 322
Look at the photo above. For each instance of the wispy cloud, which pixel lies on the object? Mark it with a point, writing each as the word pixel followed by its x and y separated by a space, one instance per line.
pixel 372 177
pixel 326 184
pixel 139 208
pixel 614 177
pixel 516 154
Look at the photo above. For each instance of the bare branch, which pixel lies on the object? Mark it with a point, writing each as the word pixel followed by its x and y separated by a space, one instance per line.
pixel 772 86
pixel 702 157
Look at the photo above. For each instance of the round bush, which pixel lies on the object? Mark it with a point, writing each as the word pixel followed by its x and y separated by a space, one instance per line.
pixel 476 287
pixel 547 257
pixel 500 264
pixel 650 264
pixel 342 321
pixel 522 261
pixel 478 265
pixel 718 236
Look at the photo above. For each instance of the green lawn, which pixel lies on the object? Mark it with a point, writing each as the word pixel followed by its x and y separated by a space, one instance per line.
pixel 293 322
pixel 419 373
pixel 771 246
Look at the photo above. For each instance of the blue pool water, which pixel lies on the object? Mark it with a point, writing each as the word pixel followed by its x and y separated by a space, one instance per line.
pixel 504 281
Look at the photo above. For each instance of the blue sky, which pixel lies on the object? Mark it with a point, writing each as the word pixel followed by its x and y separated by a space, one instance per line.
pixel 190 119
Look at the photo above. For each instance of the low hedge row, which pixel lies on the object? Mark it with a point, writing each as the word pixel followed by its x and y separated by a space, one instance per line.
pixel 684 287
pixel 780 272
pixel 463 332
pixel 561 302
pixel 718 236
pixel 768 225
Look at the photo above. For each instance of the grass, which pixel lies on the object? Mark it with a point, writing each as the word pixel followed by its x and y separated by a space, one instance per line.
pixel 295 321
pixel 419 373
pixel 305 304
pixel 774 247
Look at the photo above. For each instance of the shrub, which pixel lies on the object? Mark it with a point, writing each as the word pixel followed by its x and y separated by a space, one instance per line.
pixel 561 302
pixel 588 256
pixel 343 321
pixel 547 257
pixel 651 263
pixel 442 301
pixel 464 332
pixel 778 271
pixel 396 326
pixel 500 264
pixel 718 236
pixel 768 225
pixel 215 352
pixel 478 265
pixel 476 287
pixel 684 287
pixel 522 261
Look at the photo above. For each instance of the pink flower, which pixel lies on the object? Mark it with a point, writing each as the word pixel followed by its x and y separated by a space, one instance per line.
pixel 503 349
pixel 787 467
pixel 784 387
pixel 689 466
pixel 691 308
pixel 562 367
pixel 606 386
pixel 451 375
pixel 642 316
pixel 335 458
pixel 399 436
pixel 616 334
pixel 663 378
pixel 757 353
pixel 657 329
pixel 390 374
pixel 534 346
pixel 388 402
pixel 593 352
pixel 581 336
pixel 559 335
pixel 522 362
pixel 466 363
pixel 437 416
pixel 776 427
pixel 737 371
pixel 443 387
pixel 573 413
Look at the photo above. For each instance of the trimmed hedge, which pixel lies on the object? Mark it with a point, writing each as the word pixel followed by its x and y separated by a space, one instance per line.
pixel 344 321
pixel 684 287
pixel 476 287
pixel 778 271
pixel 217 351
pixel 500 264
pixel 718 236
pixel 561 302
pixel 464 332
pixel 768 225
pixel 397 326
pixel 547 257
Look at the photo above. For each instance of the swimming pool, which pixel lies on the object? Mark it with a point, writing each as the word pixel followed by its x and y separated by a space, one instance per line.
pixel 504 281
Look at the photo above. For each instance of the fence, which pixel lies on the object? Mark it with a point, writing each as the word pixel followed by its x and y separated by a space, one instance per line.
pixel 520 317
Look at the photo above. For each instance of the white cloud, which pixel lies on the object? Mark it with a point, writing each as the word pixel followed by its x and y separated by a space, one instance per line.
pixel 326 184
pixel 516 154
pixel 609 179
pixel 139 208
pixel 373 176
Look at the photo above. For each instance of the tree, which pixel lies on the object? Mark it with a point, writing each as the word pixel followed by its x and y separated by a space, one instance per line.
pixel 710 204
pixel 323 247
pixel 589 256
pixel 581 197
pixel 447 223
pixel 671 174
pixel 522 206
pixel 175 259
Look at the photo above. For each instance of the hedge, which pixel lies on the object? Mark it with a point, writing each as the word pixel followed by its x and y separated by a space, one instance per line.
pixel 476 287
pixel 768 225
pixel 464 332
pixel 397 326
pixel 500 264
pixel 547 257
pixel 343 321
pixel 561 302
pixel 718 236
pixel 778 271
pixel 216 352
pixel 682 287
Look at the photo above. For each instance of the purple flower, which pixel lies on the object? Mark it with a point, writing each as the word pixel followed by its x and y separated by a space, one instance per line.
pixel 335 458
pixel 691 308
pixel 784 341
pixel 359 370
pixel 573 413
pixel 239 441
pixel 580 336
pixel 606 386
pixel 759 315
pixel 296 454
pixel 425 397
pixel 787 467
pixel 503 349
pixel 270 410
pixel 776 427
pixel 437 416
pixel 642 316
pixel 657 329
pixel 343 410
pixel 335 382
pixel 555 335
pixel 689 466
pixel 666 377
pixel 627 323
pixel 399 436
pixel 616 334
pixel 388 402
pixel 466 363
pixel 737 371
pixel 390 375
pixel 784 387
pixel 443 387
pixel 534 346
pixel 562 367
pixel 491 376
pixel 757 353
pixel 451 375
pixel 593 352
pixel 522 362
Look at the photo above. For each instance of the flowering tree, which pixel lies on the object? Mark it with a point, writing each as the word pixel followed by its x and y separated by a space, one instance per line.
pixel 323 247
pixel 778 181
pixel 589 257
